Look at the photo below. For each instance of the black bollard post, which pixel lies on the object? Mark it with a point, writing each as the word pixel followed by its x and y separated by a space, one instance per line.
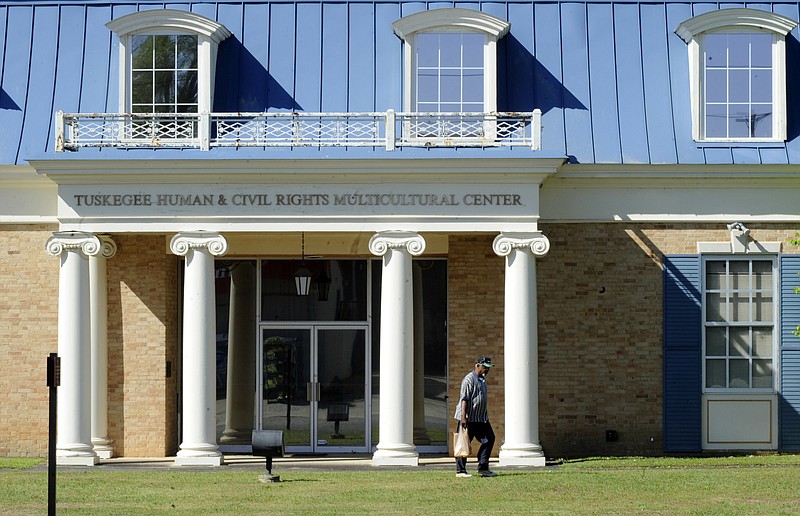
pixel 53 381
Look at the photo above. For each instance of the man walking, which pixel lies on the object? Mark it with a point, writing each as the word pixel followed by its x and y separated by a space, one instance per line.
pixel 472 412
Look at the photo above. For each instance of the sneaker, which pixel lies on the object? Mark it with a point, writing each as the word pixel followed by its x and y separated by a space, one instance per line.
pixel 463 475
pixel 487 473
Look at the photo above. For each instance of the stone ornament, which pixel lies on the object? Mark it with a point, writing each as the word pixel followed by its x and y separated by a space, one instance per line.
pixel 182 243
pixel 412 242
pixel 61 241
pixel 504 243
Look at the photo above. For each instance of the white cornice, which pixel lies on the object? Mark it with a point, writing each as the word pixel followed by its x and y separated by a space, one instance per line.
pixel 737 17
pixel 169 19
pixel 298 171
pixel 448 18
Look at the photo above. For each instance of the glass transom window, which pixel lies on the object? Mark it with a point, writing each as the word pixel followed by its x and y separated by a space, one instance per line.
pixel 739 324
pixel 164 73
pixel 449 72
pixel 738 85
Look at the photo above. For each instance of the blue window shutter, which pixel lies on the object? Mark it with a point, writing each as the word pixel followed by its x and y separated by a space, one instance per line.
pixel 789 407
pixel 682 348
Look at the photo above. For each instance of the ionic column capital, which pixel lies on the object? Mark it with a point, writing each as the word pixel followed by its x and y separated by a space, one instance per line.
pixel 108 247
pixel 504 243
pixel 382 242
pixel 61 241
pixel 182 243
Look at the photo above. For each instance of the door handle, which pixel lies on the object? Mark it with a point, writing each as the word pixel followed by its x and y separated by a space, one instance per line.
pixel 312 391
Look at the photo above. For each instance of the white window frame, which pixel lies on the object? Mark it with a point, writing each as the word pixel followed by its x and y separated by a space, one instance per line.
pixel 739 20
pixel 451 20
pixel 746 324
pixel 171 21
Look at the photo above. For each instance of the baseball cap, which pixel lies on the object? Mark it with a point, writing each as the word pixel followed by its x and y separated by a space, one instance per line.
pixel 484 361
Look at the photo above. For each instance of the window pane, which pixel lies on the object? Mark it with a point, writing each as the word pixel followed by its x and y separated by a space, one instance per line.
pixel 716 121
pixel 451 86
pixel 715 374
pixel 473 49
pixel 740 307
pixel 739 374
pixel 142 87
pixel 762 343
pixel 473 87
pixel 762 275
pixel 738 50
pixel 739 86
pixel 740 342
pixel 428 86
pixel 715 275
pixel 761 50
pixel 715 307
pixel 141 51
pixel 428 50
pixel 187 52
pixel 762 120
pixel 164 87
pixel 740 275
pixel 716 47
pixel 762 306
pixel 716 85
pixel 187 87
pixel 761 81
pixel 450 49
pixel 165 52
pixel 762 374
pixel 738 121
pixel 715 342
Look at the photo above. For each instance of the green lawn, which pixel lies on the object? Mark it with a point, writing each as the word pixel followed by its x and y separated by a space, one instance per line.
pixel 741 485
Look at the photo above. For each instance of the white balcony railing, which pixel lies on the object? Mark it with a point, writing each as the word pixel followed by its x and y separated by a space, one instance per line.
pixel 208 130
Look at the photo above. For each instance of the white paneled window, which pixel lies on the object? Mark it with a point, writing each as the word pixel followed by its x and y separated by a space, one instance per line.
pixel 739 300
pixel 163 74
pixel 737 70
pixel 449 76
pixel 167 64
pixel 450 66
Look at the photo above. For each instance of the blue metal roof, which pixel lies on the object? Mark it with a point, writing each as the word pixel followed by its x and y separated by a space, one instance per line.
pixel 611 77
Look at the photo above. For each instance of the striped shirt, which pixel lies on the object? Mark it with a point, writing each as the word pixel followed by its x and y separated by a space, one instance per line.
pixel 473 390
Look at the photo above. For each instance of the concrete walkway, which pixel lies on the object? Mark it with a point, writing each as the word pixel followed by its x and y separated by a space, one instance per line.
pixel 282 464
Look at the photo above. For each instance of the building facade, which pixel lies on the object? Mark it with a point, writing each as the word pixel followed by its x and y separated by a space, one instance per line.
pixel 313 217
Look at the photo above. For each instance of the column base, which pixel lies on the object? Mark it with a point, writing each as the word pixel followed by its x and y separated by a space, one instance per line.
pixel 398 455
pixel 232 436
pixel 199 455
pixel 76 457
pixel 528 456
pixel 102 447
pixel 207 460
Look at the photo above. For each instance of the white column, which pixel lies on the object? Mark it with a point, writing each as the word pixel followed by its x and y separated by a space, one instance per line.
pixel 240 391
pixel 396 439
pixel 74 442
pixel 521 362
pixel 421 436
pixel 199 445
pixel 98 302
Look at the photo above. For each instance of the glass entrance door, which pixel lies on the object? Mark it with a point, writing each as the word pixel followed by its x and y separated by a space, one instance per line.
pixel 314 386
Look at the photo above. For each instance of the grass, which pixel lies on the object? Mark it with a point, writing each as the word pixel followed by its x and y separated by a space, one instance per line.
pixel 723 485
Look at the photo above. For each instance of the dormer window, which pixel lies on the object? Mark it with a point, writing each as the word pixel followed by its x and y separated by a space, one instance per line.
pixel 450 66
pixel 167 67
pixel 737 68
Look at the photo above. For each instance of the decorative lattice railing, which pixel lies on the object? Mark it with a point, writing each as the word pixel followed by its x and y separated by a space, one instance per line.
pixel 207 130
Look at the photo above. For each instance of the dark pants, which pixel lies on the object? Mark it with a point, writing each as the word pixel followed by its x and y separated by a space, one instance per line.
pixel 485 435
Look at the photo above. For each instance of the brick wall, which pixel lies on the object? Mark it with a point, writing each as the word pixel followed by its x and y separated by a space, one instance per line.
pixel 142 335
pixel 28 333
pixel 600 335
